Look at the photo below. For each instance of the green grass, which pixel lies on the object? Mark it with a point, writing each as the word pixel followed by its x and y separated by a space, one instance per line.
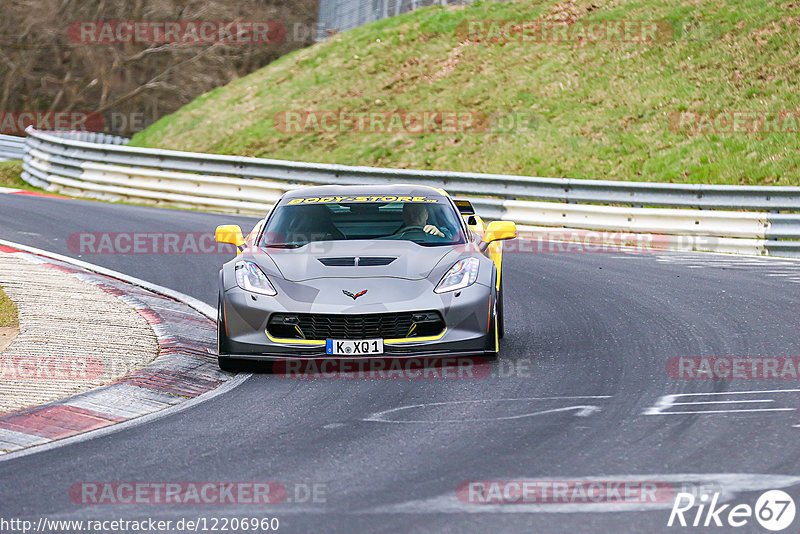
pixel 602 109
pixel 11 176
pixel 10 172
pixel 8 312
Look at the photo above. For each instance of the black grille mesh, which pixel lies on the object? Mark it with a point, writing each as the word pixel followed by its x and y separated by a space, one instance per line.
pixel 361 326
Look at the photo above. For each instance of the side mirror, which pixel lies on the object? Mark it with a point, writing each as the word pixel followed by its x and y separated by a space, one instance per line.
pixel 230 234
pixel 499 230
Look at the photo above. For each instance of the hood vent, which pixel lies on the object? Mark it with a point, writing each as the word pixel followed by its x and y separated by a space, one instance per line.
pixel 338 262
pixel 356 261
pixel 373 261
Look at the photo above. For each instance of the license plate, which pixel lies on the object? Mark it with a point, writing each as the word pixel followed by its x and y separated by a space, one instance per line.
pixel 351 347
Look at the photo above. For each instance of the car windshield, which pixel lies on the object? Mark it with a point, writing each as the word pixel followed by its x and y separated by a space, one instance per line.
pixel 428 221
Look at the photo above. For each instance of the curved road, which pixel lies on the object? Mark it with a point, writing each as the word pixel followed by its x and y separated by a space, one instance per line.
pixel 575 395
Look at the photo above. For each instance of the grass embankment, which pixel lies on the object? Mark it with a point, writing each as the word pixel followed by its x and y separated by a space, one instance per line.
pixel 11 176
pixel 601 109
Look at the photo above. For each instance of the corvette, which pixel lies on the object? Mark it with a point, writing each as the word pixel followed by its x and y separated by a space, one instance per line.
pixel 363 272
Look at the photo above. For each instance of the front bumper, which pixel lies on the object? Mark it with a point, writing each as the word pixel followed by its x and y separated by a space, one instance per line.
pixel 466 315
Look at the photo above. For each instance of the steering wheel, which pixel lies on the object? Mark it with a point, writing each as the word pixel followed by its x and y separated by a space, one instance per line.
pixel 410 229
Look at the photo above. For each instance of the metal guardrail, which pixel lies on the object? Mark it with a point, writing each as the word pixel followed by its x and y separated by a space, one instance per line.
pixel 11 147
pixel 99 165
pixel 766 198
pixel 341 15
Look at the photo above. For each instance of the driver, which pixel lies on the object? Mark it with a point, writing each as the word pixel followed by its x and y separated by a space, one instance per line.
pixel 415 214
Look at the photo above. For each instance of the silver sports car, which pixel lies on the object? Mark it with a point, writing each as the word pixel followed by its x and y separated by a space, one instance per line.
pixel 363 272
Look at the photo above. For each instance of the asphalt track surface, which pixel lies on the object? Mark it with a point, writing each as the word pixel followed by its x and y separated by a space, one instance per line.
pixel 588 338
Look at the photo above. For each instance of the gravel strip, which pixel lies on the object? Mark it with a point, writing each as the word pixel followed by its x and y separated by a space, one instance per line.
pixel 73 336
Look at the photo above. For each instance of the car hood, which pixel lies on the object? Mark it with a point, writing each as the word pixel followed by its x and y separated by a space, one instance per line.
pixel 358 259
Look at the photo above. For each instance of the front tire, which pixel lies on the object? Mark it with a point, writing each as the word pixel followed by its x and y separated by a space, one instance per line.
pixel 501 329
pixel 492 343
pixel 223 360
pixel 228 365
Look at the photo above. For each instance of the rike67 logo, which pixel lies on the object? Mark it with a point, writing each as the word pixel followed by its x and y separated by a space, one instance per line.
pixel 774 510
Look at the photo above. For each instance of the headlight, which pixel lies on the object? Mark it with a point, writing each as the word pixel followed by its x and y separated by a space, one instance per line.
pixel 250 277
pixel 462 274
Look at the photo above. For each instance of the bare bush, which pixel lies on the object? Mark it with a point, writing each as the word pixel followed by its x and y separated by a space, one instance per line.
pixel 43 69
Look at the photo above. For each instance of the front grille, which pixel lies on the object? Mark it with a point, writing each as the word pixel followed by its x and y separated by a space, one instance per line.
pixel 355 326
pixel 354 261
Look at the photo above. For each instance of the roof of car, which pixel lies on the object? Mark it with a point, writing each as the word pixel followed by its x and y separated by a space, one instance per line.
pixel 364 190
